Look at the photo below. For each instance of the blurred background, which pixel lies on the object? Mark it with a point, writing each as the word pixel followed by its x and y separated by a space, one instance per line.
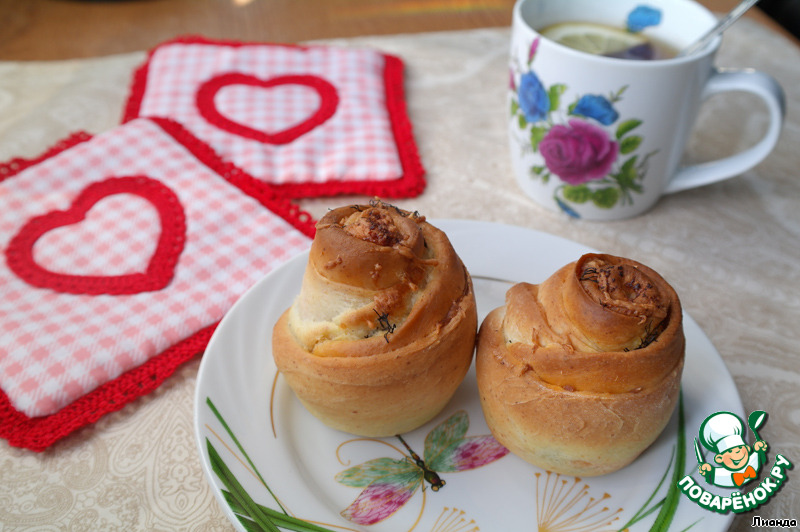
pixel 785 12
pixel 66 29
pixel 59 29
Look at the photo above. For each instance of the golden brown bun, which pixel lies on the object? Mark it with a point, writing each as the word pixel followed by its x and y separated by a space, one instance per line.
pixel 580 374
pixel 383 330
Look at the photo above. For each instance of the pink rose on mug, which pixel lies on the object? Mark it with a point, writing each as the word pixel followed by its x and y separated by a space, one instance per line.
pixel 578 152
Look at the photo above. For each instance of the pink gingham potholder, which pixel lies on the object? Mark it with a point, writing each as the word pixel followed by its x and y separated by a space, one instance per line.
pixel 120 253
pixel 308 120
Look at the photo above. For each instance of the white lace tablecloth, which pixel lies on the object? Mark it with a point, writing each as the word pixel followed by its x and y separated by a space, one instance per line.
pixel 730 249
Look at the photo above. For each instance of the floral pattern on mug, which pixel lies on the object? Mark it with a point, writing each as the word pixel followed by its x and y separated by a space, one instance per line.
pixel 642 17
pixel 585 145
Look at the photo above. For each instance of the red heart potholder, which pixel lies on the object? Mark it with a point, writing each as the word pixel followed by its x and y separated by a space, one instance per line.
pixel 85 261
pixel 121 253
pixel 310 120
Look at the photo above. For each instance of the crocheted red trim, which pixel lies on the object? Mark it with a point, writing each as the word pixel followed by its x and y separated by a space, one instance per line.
pixel 264 193
pixel 410 183
pixel 133 104
pixel 18 164
pixel 160 270
pixel 39 433
pixel 206 105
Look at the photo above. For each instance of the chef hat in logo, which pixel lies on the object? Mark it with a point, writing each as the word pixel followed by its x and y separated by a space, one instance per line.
pixel 722 431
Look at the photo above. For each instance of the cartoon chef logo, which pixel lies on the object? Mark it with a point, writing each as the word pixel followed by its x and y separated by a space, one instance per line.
pixel 735 462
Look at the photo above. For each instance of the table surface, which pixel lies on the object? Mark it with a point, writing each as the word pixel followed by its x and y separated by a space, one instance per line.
pixel 35 29
pixel 729 248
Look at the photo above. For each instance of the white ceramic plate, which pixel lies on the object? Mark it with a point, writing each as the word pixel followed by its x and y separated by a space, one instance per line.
pixel 286 460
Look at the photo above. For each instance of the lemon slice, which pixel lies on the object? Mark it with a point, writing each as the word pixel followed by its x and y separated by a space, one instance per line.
pixel 593 38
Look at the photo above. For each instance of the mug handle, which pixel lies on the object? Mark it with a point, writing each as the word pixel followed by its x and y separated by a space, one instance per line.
pixel 763 86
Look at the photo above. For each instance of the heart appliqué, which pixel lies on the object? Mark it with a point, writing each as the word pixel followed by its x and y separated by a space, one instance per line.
pixel 160 269
pixel 326 104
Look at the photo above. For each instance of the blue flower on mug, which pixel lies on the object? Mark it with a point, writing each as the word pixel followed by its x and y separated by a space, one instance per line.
pixel 597 107
pixel 533 98
pixel 584 144
pixel 642 17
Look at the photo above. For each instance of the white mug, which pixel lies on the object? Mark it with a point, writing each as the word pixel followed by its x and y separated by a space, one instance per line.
pixel 602 138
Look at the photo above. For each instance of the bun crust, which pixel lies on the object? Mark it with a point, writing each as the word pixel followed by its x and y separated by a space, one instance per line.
pixel 580 374
pixel 383 330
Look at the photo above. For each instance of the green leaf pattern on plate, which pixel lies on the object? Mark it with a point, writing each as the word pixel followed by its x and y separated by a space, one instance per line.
pixel 256 517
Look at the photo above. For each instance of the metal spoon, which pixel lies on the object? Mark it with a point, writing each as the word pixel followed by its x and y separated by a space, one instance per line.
pixel 721 26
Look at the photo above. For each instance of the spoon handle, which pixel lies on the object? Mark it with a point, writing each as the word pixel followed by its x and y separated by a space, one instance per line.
pixel 721 26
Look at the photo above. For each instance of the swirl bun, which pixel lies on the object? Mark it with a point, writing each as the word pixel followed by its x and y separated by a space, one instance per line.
pixel 581 373
pixel 383 330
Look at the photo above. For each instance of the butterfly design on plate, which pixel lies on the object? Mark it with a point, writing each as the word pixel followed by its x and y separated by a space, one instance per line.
pixel 389 483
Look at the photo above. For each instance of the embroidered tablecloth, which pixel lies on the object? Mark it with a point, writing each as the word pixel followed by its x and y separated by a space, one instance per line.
pixel 730 249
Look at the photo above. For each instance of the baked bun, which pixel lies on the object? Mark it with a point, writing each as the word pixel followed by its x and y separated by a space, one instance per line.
pixel 383 330
pixel 581 373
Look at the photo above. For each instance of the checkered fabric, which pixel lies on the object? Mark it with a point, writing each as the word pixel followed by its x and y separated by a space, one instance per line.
pixel 311 120
pixel 119 250
pixel 119 232
pixel 123 251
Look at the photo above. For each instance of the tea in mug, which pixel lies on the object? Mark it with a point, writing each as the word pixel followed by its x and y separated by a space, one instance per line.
pixel 599 39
